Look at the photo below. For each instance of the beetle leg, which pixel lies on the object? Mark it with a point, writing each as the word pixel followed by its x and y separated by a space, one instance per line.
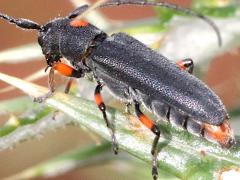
pixel 102 107
pixel 67 70
pixel 68 86
pixel 51 87
pixel 186 64
pixel 127 108
pixel 66 91
pixel 149 123
pixel 62 69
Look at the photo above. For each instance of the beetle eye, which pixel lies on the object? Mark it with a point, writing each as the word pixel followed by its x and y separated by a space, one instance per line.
pixel 56 56
pixel 53 57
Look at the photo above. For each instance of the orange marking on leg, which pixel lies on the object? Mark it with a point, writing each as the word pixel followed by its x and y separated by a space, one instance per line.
pixel 181 65
pixel 78 23
pixel 146 121
pixel 98 99
pixel 222 134
pixel 63 69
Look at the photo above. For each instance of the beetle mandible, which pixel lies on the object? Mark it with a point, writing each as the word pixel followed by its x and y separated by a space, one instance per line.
pixel 134 73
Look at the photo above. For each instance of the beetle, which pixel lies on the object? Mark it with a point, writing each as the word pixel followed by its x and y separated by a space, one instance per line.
pixel 133 73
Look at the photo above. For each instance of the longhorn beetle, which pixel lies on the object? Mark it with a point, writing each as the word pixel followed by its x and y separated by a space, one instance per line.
pixel 134 73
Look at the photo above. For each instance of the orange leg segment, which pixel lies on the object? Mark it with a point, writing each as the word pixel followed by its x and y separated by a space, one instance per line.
pixel 63 69
pixel 66 70
pixel 150 124
pixel 102 107
pixel 186 64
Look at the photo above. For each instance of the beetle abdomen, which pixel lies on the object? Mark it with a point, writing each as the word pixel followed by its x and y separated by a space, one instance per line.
pixel 171 114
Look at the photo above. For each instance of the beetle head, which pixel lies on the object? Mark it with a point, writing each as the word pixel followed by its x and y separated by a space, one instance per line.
pixel 48 39
pixel 50 35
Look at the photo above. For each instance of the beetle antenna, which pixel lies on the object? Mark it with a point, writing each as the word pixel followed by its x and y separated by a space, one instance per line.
pixel 166 5
pixel 81 11
pixel 78 11
pixel 22 23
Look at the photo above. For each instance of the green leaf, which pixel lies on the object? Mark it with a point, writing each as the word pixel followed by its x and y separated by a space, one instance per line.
pixel 182 154
pixel 222 12
pixel 164 15
pixel 13 123
pixel 235 112
pixel 13 105
pixel 216 8
pixel 209 8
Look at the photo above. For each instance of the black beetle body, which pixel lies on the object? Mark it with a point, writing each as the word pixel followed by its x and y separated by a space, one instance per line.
pixel 155 79
pixel 124 59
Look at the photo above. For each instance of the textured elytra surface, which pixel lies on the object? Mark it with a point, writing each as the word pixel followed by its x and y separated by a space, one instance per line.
pixel 130 62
